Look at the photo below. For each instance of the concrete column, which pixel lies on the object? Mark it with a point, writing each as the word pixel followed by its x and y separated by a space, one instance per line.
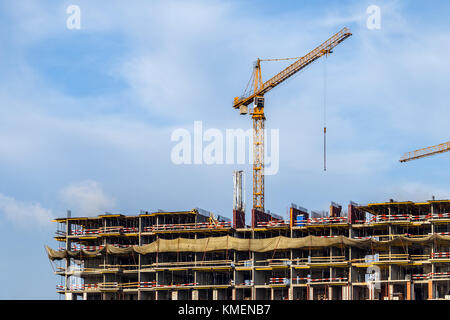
pixel 194 294
pixel 372 291
pixel 272 295
pixel 345 290
pixel 233 294
pixel 291 293
pixel 84 295
pixel 215 294
pixel 408 290
pixel 330 293
pixel 391 291
pixel 430 290
pixel 174 295
pixel 310 292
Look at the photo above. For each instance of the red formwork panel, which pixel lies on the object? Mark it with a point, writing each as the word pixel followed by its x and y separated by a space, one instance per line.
pixel 259 216
pixel 294 212
pixel 355 214
pixel 335 210
pixel 238 219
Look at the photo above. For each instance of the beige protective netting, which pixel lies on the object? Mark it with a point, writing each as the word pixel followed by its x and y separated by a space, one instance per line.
pixel 238 244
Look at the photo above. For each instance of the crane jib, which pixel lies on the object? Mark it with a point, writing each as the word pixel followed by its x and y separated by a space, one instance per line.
pixel 301 63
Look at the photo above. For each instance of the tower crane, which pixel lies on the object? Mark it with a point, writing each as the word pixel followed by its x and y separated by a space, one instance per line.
pixel 257 98
pixel 425 152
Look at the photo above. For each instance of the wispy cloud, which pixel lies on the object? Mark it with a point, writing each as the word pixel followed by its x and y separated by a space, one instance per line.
pixel 24 214
pixel 87 198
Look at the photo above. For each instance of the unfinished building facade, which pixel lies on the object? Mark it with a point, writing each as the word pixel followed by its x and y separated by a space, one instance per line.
pixel 386 251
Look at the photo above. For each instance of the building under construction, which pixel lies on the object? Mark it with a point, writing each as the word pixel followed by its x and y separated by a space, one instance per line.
pixel 392 250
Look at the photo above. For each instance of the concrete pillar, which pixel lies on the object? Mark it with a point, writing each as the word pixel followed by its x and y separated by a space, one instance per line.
pixel 310 292
pixel 345 290
pixel 84 295
pixel 272 295
pixel 409 290
pixel 174 295
pixel 69 296
pixel 291 293
pixel 371 291
pixel 330 292
pixel 391 291
pixel 194 294
pixel 215 294
pixel 233 294
pixel 430 290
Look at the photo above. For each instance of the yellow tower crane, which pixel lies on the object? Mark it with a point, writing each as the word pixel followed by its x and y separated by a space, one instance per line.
pixel 425 152
pixel 257 97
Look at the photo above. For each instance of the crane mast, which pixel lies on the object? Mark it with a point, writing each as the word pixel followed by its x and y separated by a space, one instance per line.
pixel 257 98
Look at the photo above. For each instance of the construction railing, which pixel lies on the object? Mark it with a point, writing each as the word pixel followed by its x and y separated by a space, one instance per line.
pixel 420 276
pixel 148 284
pixel 246 283
pixel 440 275
pixel 174 285
pixel 78 247
pixel 319 260
pixel 308 279
pixel 108 286
pixel 188 226
pixel 273 224
pixel 439 216
pixel 79 287
pixel 103 268
pixel 85 232
pixel 125 267
pixel 383 258
pixel 244 263
pixel 192 264
pixel 60 233
pixel 279 281
pixel 431 275
pixel 104 231
pixel 319 221
pixel 390 218
pixel 112 286
pixel 273 263
pixel 383 218
pixel 108 230
pixel 440 255
pixel 419 257
pixel 393 257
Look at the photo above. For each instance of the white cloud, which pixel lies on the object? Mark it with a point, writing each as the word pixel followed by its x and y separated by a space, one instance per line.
pixel 86 198
pixel 24 214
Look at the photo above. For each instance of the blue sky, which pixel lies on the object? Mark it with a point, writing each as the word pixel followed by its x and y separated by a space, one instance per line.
pixel 86 115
